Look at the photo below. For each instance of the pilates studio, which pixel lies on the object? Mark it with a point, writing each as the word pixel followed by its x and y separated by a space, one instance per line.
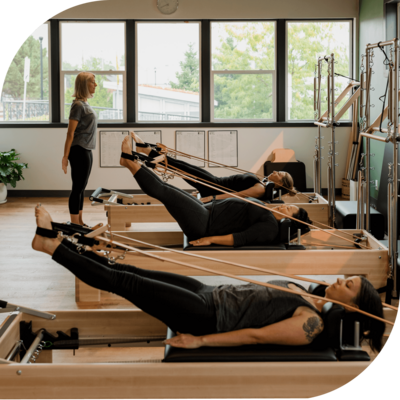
pixel 199 199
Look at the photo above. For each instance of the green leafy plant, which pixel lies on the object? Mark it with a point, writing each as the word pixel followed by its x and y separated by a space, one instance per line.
pixel 11 171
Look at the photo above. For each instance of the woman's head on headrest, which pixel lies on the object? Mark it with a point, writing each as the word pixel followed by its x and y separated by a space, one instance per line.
pixel 301 215
pixel 282 179
pixel 358 292
pixel 290 210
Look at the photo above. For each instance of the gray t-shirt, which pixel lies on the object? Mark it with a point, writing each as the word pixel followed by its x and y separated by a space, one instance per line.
pixel 254 306
pixel 85 132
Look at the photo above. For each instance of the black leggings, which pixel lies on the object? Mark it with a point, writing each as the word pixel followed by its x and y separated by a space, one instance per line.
pixel 175 300
pixel 198 172
pixel 81 161
pixel 190 213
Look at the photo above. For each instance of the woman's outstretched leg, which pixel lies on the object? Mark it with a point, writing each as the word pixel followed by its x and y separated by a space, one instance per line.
pixel 184 282
pixel 201 173
pixel 189 212
pixel 180 309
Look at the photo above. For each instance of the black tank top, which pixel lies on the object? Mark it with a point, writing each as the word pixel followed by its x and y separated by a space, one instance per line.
pixel 255 306
pixel 239 182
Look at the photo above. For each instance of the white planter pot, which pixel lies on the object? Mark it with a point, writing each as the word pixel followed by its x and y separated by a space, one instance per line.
pixel 3 193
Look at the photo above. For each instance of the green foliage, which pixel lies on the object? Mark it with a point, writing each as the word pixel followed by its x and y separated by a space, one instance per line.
pixel 11 171
pixel 249 47
pixel 307 42
pixel 14 82
pixel 188 78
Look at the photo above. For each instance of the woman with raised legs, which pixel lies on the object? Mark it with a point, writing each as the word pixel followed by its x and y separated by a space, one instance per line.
pixel 203 315
pixel 243 185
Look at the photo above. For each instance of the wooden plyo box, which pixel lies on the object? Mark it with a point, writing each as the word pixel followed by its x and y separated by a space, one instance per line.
pixel 136 372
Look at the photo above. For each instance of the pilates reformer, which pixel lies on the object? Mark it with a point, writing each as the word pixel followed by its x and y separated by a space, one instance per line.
pixel 117 354
pixel 59 338
pixel 330 119
pixel 319 254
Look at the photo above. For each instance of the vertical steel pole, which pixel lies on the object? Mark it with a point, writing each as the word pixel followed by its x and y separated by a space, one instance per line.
pixel 333 138
pixel 395 169
pixel 367 158
pixel 319 129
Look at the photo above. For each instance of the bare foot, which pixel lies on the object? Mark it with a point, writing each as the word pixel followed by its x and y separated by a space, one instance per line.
pixel 138 139
pixel 40 243
pixel 126 147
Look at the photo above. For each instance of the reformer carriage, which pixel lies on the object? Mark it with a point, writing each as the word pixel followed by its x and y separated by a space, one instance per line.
pixel 137 371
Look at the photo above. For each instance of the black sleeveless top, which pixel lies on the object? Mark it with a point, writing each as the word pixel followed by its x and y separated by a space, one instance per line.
pixel 255 306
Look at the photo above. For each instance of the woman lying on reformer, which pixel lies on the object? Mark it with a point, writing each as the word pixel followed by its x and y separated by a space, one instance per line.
pixel 243 185
pixel 227 315
pixel 229 222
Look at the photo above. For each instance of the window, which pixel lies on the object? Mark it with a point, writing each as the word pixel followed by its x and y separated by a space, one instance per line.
pixel 243 77
pixel 97 47
pixel 306 41
pixel 168 71
pixel 25 94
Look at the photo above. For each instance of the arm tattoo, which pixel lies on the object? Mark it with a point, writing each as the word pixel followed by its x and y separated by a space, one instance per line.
pixel 312 328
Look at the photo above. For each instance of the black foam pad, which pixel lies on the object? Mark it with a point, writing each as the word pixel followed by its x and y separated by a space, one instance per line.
pixel 247 353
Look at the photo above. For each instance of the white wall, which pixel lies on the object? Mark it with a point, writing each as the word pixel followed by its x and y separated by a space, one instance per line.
pixel 43 149
pixel 221 9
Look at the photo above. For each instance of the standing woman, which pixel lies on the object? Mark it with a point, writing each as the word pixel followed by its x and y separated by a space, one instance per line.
pixel 81 140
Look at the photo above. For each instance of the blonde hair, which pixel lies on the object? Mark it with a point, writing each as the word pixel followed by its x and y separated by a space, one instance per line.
pixel 287 182
pixel 81 90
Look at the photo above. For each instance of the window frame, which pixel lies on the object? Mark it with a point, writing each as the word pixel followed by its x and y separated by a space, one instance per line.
pixel 169 122
pixel 351 63
pixel 62 72
pixel 259 71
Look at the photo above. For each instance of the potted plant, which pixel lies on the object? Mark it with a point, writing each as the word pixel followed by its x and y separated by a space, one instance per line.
pixel 10 172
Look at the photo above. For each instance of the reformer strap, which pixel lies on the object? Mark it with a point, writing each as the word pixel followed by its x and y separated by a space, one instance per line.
pixel 48 233
pixel 137 156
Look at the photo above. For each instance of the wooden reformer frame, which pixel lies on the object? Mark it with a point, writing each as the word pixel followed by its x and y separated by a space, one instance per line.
pixel 136 372
pixel 121 216
pixel 323 256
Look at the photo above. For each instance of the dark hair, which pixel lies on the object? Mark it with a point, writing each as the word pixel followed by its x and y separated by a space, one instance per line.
pixel 302 215
pixel 368 300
